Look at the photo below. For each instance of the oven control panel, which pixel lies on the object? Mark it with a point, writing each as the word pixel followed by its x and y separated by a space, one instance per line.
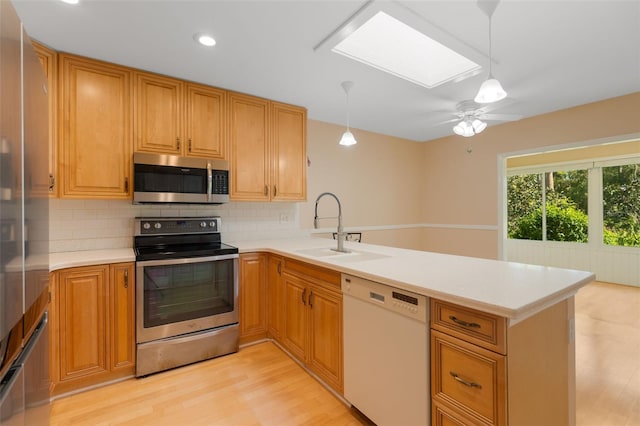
pixel 176 225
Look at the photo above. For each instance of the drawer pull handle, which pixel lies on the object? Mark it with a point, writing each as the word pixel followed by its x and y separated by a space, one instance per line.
pixel 464 382
pixel 464 323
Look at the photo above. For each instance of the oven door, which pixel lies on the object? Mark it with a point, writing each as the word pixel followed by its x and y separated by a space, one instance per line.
pixel 180 296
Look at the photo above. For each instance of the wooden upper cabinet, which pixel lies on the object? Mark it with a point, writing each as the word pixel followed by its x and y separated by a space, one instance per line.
pixel 179 118
pixel 206 121
pixel 249 142
pixel 94 128
pixel 158 114
pixel 268 150
pixel 49 61
pixel 288 152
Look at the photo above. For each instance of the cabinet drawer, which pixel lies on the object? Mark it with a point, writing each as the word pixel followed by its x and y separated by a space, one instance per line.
pixel 468 378
pixel 442 415
pixel 485 330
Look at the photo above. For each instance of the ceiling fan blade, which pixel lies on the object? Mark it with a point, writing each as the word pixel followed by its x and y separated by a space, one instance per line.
pixel 498 105
pixel 500 117
pixel 440 123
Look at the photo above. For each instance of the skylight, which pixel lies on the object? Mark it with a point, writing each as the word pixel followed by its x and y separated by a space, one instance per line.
pixel 390 45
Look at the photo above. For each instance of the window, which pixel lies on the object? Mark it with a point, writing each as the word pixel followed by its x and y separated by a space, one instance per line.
pixel 621 205
pixel 548 206
pixel 552 204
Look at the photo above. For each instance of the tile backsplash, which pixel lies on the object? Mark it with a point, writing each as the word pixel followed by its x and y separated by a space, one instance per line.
pixel 108 224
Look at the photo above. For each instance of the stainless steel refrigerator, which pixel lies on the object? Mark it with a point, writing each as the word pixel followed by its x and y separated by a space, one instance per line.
pixel 24 228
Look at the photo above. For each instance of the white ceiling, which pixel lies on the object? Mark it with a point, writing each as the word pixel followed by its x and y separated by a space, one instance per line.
pixel 548 55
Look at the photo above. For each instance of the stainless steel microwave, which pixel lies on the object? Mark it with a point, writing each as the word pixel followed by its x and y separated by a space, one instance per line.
pixel 160 178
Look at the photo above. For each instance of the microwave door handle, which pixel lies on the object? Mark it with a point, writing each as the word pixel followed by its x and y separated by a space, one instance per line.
pixel 209 181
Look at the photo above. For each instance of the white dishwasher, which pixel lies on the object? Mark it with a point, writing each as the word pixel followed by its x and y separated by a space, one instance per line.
pixel 386 352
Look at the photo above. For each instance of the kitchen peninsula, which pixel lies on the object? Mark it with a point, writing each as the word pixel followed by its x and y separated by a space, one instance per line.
pixel 521 318
pixel 502 338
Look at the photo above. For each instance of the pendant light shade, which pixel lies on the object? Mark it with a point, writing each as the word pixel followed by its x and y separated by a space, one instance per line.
pixel 491 90
pixel 347 138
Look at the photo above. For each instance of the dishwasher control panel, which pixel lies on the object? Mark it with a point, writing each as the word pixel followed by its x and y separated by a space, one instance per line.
pixel 403 302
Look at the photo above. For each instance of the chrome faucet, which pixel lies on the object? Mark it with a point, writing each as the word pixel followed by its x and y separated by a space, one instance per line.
pixel 340 236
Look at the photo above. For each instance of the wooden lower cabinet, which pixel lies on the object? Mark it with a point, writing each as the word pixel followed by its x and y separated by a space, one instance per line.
pixel 299 306
pixel 275 297
pixel 92 326
pixel 312 326
pixel 252 297
pixel 485 373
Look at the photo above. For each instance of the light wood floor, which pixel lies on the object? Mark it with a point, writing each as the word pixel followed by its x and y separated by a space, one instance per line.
pixel 260 385
pixel 608 355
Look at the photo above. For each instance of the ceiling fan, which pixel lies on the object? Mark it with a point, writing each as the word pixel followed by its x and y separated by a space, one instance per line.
pixel 472 116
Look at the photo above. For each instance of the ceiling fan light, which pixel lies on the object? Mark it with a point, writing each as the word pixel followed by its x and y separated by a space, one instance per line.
pixel 478 125
pixel 464 128
pixel 490 91
pixel 348 139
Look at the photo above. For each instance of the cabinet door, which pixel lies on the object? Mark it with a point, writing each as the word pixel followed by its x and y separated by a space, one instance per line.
pixel 249 144
pixel 83 313
pixel 288 152
pixel 296 328
pixel 158 114
pixel 252 297
pixel 275 294
pixel 325 352
pixel 49 61
pixel 206 119
pixel 122 318
pixel 95 122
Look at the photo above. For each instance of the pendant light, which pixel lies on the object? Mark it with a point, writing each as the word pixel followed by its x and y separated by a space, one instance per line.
pixel 491 90
pixel 347 137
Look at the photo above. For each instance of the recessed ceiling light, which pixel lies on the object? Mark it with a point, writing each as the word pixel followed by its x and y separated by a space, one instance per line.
pixel 390 45
pixel 70 1
pixel 204 39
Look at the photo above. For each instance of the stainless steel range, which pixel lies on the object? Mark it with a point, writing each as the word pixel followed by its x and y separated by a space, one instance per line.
pixel 186 292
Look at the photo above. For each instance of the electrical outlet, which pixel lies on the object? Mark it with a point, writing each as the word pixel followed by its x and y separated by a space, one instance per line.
pixel 284 218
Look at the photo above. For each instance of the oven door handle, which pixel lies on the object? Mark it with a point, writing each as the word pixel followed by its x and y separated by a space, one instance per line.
pixel 186 260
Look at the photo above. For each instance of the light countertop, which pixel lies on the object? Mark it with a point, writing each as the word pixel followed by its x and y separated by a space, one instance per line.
pixel 512 290
pixel 72 259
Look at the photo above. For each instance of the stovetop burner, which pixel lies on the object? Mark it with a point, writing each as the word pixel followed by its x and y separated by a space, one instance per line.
pixel 171 238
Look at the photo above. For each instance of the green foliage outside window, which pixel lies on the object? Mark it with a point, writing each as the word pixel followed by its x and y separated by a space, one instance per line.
pixel 621 205
pixel 566 206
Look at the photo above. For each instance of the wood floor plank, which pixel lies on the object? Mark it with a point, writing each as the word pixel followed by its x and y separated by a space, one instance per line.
pixel 607 355
pixel 260 385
